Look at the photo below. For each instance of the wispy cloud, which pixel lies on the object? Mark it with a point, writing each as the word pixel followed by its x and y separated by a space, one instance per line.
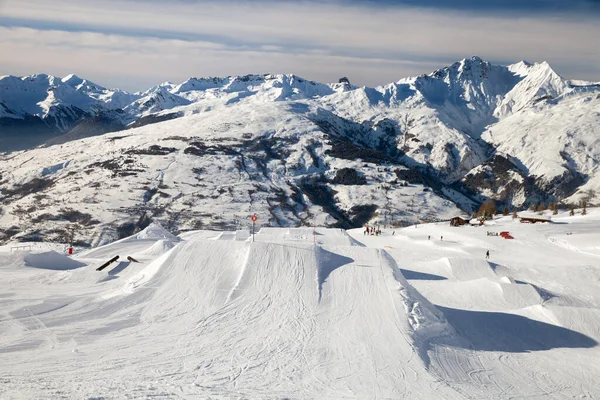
pixel 371 43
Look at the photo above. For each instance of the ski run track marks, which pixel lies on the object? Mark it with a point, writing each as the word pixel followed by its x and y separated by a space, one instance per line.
pixel 303 314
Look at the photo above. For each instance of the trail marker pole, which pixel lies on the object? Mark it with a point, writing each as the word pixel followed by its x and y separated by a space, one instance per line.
pixel 253 218
pixel 71 231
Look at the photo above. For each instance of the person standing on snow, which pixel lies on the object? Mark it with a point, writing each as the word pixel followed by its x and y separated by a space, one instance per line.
pixel 487 254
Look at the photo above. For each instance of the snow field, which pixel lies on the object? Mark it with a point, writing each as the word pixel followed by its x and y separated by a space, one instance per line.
pixel 354 316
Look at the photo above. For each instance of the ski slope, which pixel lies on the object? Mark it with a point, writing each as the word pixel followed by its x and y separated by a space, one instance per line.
pixel 305 313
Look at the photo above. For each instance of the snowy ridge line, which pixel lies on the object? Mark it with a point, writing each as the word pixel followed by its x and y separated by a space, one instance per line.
pixel 424 320
pixel 241 275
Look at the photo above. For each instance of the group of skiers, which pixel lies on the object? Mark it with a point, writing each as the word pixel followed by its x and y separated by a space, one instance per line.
pixel 441 238
pixel 371 230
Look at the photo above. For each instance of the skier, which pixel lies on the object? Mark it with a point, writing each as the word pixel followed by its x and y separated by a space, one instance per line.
pixel 429 237
pixel 487 254
pixel 441 238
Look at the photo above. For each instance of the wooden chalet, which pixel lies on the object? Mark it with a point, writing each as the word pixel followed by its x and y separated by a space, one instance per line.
pixel 460 220
pixel 533 218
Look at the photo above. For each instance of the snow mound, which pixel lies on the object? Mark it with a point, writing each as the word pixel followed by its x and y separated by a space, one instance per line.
pixel 520 295
pixel 156 231
pixel 466 269
pixel 159 248
pixel 51 260
pixel 146 274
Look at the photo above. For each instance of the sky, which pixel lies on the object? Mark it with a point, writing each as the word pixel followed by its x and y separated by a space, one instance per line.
pixel 135 44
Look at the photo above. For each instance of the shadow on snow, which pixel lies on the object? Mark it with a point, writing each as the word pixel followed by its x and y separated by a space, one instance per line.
pixel 421 276
pixel 119 268
pixel 327 263
pixel 496 331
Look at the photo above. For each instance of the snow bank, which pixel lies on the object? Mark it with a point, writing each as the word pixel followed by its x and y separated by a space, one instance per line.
pixel 156 231
pixel 51 260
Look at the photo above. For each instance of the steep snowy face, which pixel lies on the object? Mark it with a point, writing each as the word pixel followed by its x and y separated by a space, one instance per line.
pixel 556 141
pixel 467 92
pixel 82 85
pixel 539 82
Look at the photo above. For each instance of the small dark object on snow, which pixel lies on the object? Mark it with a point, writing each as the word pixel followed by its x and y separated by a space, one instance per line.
pixel 487 254
pixel 129 258
pixel 106 264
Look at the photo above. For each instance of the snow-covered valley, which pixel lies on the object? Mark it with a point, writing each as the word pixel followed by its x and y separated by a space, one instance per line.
pixel 304 313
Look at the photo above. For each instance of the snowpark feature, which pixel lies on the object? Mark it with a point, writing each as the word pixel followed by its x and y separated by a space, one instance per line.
pixel 300 314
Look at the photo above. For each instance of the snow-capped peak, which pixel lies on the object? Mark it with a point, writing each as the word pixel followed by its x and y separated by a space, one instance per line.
pixel 539 82
pixel 522 68
pixel 72 80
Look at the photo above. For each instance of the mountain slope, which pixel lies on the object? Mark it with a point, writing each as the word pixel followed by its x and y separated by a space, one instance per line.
pixel 208 151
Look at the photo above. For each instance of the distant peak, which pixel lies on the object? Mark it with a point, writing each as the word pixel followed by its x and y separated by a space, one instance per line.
pixel 72 80
pixel 523 63
pixel 37 77
pixel 473 59
pixel 70 77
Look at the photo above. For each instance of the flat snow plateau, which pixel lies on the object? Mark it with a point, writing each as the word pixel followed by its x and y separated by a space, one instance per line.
pixel 416 313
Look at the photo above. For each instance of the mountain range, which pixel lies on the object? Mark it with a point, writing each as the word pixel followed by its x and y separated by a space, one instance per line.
pixel 209 152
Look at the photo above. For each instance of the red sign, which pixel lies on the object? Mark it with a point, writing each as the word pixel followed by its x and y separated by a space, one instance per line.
pixel 254 218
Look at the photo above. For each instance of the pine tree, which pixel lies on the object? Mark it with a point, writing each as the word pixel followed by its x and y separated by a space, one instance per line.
pixel 505 211
pixel 572 212
pixel 487 209
pixel 532 206
pixel 584 207
pixel 514 214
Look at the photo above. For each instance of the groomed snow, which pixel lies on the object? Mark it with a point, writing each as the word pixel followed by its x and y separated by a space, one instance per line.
pixel 416 313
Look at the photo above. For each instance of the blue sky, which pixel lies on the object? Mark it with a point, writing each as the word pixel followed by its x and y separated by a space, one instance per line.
pixel 135 44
